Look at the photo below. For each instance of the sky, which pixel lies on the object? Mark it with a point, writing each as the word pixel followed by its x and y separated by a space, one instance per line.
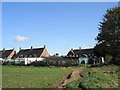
pixel 58 25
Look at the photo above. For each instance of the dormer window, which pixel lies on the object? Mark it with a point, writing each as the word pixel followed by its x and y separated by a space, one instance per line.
pixel 34 55
pixel 30 55
pixel 25 56
pixel 21 56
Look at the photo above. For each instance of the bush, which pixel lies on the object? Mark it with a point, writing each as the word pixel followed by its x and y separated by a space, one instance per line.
pixel 64 63
pixel 108 58
pixel 116 61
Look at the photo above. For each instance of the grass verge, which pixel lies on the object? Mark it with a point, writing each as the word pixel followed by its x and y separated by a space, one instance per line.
pixel 32 77
pixel 98 77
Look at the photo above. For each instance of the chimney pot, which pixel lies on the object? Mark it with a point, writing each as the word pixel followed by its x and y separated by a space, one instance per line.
pixel 44 46
pixel 3 49
pixel 31 47
pixel 80 48
pixel 20 48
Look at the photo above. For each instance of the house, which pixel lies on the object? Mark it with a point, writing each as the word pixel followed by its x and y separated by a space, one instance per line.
pixel 0 54
pixel 7 54
pixel 32 53
pixel 81 52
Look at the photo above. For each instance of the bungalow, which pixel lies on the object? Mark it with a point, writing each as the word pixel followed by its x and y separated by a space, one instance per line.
pixel 7 54
pixel 32 53
pixel 81 52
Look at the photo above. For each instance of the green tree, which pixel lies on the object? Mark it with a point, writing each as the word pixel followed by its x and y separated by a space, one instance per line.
pixel 109 34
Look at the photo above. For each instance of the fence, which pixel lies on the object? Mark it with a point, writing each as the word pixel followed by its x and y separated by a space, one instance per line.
pixel 50 61
pixel 20 61
pixel 62 61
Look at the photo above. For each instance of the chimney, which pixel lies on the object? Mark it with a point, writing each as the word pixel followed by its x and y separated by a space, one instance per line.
pixel 80 48
pixel 3 49
pixel 71 48
pixel 31 47
pixel 20 48
pixel 44 46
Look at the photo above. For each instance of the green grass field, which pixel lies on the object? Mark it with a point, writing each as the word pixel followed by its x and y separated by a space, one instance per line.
pixel 106 76
pixel 32 77
pixel 97 77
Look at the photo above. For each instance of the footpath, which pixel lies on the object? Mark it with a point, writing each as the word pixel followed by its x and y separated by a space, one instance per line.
pixel 74 75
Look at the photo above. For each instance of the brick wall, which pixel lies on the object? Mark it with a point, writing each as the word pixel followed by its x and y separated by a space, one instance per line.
pixel 12 54
pixel 45 53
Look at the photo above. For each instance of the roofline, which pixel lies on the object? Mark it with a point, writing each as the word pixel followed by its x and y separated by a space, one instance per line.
pixel 7 49
pixel 42 52
pixel 72 51
pixel 32 48
pixel 84 49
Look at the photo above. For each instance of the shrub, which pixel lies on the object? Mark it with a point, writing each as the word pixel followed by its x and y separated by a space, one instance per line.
pixel 116 60
pixel 108 58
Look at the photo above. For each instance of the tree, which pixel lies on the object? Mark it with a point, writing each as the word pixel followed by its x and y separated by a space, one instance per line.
pixel 109 34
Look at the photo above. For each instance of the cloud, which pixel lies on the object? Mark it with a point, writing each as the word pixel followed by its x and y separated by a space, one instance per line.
pixel 88 45
pixel 21 38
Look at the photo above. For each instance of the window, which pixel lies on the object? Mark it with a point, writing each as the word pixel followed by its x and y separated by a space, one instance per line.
pixel 30 55
pixel 77 55
pixel 34 55
pixel 21 56
pixel 25 56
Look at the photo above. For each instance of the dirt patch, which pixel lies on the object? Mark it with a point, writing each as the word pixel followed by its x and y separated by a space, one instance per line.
pixel 74 75
pixel 67 76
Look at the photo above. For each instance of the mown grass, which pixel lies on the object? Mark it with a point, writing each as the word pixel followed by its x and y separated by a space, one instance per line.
pixel 32 77
pixel 97 77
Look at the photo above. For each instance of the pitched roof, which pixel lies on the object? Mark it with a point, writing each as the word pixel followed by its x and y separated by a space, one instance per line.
pixel 0 54
pixel 71 52
pixel 83 51
pixel 5 53
pixel 27 52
